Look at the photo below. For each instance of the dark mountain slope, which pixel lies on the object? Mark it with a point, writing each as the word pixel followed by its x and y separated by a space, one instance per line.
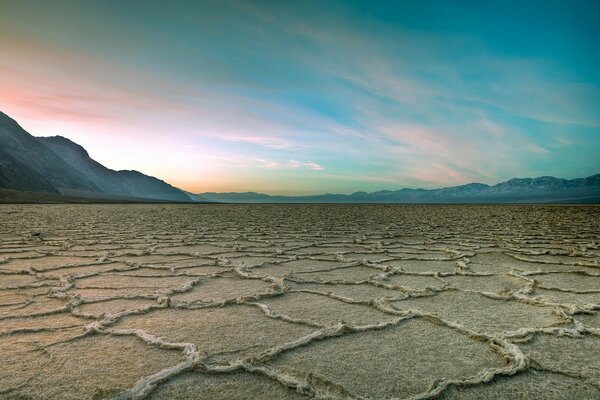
pixel 57 165
pixel 29 165
pixel 124 183
pixel 14 174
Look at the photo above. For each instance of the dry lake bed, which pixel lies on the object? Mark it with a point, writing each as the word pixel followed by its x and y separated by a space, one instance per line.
pixel 299 301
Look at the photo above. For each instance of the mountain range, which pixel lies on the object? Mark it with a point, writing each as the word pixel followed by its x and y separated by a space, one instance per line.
pixel 58 169
pixel 545 189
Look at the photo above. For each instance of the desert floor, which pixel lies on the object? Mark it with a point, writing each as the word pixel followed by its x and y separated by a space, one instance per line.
pixel 299 301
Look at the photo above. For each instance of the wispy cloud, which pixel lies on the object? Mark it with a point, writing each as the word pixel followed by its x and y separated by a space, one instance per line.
pixel 266 163
pixel 266 141
pixel 306 164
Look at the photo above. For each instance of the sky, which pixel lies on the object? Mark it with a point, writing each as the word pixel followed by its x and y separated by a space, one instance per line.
pixel 306 97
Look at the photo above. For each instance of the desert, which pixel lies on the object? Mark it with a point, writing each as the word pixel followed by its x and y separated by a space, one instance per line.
pixel 299 301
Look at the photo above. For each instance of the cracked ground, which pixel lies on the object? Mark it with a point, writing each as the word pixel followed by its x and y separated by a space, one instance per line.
pixel 299 301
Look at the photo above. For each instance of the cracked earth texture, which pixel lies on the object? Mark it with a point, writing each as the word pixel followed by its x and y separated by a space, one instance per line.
pixel 299 301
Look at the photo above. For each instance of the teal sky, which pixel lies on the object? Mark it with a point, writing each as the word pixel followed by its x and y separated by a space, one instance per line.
pixel 302 97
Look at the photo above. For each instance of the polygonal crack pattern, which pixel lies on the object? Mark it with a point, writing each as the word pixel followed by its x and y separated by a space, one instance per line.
pixel 299 301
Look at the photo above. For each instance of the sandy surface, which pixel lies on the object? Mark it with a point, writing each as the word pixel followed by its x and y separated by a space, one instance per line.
pixel 299 301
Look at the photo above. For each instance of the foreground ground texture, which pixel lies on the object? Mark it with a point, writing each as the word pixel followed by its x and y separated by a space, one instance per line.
pixel 297 301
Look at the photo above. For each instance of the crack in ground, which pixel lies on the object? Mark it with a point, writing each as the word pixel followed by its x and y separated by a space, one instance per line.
pixel 391 250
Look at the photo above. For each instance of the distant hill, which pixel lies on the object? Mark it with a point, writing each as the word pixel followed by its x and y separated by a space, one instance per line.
pixel 60 166
pixel 545 189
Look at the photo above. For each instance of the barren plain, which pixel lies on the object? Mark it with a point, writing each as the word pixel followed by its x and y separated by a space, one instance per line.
pixel 299 301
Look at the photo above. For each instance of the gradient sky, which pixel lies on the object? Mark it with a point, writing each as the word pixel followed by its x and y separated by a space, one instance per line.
pixel 303 97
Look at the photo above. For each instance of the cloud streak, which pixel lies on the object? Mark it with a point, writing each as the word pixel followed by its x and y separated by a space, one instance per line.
pixel 307 164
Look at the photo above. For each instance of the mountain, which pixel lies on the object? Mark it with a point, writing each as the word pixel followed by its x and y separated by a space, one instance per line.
pixel 58 165
pixel 124 183
pixel 545 189
pixel 26 164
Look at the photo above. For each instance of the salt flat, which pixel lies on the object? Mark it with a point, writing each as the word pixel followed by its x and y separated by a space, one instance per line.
pixel 299 301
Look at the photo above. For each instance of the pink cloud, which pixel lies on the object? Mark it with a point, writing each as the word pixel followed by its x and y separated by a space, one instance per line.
pixel 438 174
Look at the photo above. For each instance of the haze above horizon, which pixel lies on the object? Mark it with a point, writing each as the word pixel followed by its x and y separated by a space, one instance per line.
pixel 311 97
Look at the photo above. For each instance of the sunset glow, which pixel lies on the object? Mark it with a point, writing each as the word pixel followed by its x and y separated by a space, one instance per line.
pixel 306 97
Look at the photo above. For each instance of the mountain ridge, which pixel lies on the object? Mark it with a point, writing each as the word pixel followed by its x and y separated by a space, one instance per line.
pixel 58 165
pixel 544 189
pixel 119 182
